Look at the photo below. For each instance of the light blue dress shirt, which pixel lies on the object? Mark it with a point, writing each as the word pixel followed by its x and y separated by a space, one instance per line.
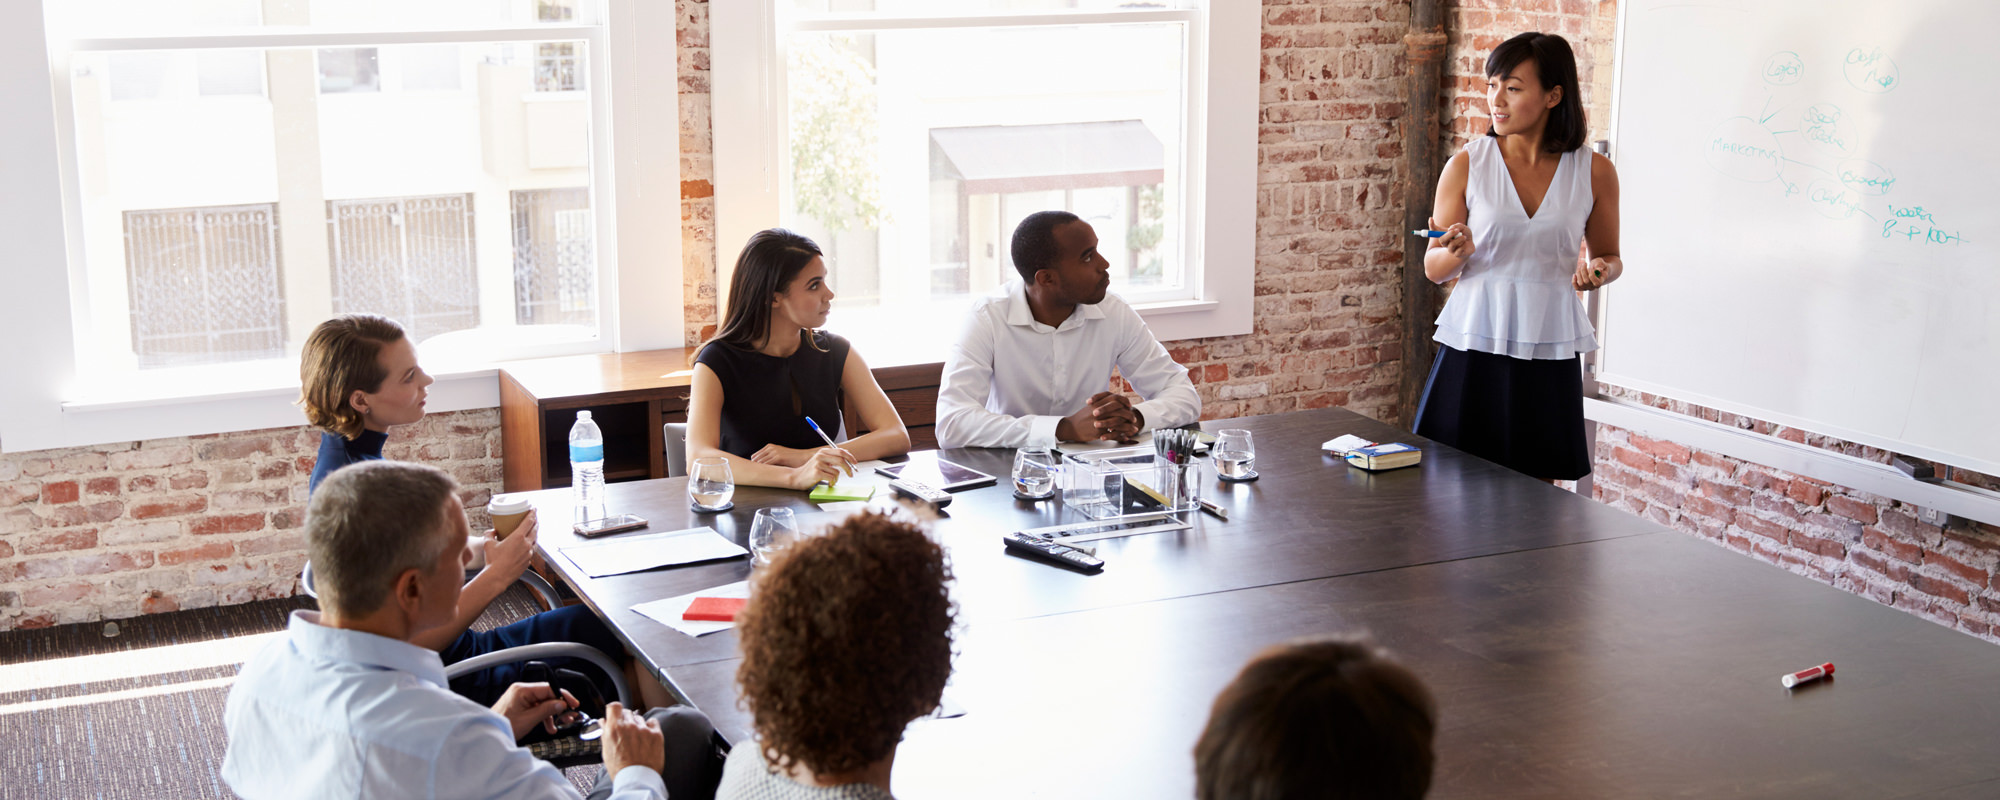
pixel 331 713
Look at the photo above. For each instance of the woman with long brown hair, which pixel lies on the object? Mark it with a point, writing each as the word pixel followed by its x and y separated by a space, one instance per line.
pixel 770 369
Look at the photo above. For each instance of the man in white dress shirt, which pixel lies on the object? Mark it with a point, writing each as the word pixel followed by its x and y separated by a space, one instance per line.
pixel 1033 364
pixel 344 706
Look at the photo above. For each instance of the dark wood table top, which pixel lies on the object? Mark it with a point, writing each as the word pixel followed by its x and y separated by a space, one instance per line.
pixel 1576 650
pixel 1307 516
pixel 1644 666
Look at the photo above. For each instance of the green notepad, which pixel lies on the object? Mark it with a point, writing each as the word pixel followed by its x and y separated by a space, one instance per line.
pixel 835 492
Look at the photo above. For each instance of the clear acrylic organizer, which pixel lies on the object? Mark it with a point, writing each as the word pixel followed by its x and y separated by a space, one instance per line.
pixel 1101 484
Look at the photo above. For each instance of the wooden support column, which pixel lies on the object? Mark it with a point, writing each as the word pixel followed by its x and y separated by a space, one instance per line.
pixel 1423 49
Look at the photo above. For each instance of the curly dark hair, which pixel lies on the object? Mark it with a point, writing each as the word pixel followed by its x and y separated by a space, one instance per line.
pixel 1320 717
pixel 847 638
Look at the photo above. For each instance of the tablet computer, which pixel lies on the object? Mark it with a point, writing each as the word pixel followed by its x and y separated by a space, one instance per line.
pixel 939 473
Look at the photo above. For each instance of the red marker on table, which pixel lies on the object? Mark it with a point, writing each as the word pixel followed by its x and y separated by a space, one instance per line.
pixel 1805 675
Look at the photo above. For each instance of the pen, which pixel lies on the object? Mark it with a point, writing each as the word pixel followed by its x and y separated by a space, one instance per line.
pixel 829 442
pixel 1214 510
pixel 1427 234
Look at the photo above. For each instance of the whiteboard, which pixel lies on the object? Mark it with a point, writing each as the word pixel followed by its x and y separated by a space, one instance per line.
pixel 1809 217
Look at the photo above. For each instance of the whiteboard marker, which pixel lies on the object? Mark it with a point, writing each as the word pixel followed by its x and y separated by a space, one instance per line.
pixel 1805 675
pixel 1427 234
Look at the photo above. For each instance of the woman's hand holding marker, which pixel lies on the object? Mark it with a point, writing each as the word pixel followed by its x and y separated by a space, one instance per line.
pixel 1455 239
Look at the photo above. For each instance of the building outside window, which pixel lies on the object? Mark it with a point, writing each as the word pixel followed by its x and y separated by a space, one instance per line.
pixel 407 258
pixel 204 284
pixel 553 279
pixel 916 134
pixel 382 176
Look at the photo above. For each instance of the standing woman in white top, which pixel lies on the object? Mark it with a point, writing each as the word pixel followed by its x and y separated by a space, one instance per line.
pixel 1515 204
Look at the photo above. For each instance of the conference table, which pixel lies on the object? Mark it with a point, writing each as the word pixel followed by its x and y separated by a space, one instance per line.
pixel 1575 650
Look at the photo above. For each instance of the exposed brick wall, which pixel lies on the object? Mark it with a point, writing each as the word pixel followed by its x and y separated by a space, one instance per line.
pixel 1475 27
pixel 118 530
pixel 1330 178
pixel 697 171
pixel 1869 545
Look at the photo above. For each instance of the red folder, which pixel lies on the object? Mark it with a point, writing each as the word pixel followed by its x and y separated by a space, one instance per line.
pixel 715 609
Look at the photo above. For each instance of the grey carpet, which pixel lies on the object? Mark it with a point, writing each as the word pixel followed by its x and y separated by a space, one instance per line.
pixel 161 743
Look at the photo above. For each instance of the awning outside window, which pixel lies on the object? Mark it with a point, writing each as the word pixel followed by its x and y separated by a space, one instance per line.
pixel 1003 159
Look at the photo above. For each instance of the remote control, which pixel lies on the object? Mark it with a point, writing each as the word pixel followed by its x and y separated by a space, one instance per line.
pixel 938 498
pixel 1037 547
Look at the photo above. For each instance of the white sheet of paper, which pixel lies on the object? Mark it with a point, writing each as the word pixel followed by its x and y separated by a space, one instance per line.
pixel 639 553
pixel 668 612
pixel 1344 444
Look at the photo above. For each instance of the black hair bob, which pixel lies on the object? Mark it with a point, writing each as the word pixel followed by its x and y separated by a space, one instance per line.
pixel 1556 64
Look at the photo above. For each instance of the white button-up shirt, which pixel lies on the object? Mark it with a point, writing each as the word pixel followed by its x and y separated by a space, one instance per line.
pixel 332 713
pixel 1009 379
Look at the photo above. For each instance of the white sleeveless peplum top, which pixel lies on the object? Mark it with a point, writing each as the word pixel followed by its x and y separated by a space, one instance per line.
pixel 1513 296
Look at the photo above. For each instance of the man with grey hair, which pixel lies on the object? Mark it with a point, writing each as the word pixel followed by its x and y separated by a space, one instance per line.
pixel 346 706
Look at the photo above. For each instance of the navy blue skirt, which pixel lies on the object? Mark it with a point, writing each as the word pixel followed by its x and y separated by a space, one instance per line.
pixel 1524 414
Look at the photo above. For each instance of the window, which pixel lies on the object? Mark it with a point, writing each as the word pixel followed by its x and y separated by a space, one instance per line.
pixel 228 173
pixel 914 136
pixel 204 284
pixel 406 258
pixel 552 244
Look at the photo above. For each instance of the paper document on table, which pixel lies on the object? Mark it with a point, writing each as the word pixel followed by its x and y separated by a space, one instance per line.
pixel 638 553
pixel 668 612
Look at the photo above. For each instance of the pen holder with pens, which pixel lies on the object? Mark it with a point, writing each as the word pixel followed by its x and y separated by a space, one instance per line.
pixel 1102 484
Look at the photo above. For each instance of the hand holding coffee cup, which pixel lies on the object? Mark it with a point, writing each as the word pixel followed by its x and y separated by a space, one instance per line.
pixel 508 512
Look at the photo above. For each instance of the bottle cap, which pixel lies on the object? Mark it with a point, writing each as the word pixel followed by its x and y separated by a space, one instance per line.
pixel 584 414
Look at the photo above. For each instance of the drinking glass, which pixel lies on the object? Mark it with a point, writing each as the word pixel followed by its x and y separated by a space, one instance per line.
pixel 773 529
pixel 710 486
pixel 1234 455
pixel 1034 473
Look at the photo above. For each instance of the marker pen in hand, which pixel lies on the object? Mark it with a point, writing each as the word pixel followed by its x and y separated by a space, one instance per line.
pixel 1428 234
pixel 1805 675
pixel 829 443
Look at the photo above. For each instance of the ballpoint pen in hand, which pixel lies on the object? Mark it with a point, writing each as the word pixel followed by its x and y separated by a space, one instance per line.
pixel 829 443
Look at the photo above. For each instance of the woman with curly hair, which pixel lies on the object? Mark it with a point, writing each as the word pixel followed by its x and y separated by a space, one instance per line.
pixel 847 639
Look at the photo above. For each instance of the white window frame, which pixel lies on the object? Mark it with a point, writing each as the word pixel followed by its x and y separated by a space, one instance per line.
pixel 46 402
pixel 747 54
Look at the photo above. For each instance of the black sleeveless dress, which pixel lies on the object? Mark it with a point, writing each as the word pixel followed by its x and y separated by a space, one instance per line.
pixel 765 399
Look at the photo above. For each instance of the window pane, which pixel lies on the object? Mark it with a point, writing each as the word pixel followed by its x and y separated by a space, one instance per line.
pixel 961 7
pixel 204 284
pixel 139 17
pixel 430 67
pixel 555 277
pixel 349 69
pixel 914 156
pixel 399 201
pixel 139 76
pixel 406 258
pixel 229 72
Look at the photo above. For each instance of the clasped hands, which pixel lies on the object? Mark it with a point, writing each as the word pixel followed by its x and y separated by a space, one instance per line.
pixel 809 467
pixel 1108 415
pixel 629 739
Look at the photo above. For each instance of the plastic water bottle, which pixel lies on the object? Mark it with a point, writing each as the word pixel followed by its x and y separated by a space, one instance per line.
pixel 586 467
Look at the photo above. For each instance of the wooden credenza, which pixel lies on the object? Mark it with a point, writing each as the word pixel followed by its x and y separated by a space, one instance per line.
pixel 630 396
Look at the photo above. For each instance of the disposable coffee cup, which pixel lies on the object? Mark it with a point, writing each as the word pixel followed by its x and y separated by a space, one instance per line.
pixel 507 512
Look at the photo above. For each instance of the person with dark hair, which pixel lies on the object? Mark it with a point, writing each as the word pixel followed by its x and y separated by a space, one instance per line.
pixel 846 640
pixel 1514 206
pixel 1324 718
pixel 358 377
pixel 1032 366
pixel 768 370
pixel 348 704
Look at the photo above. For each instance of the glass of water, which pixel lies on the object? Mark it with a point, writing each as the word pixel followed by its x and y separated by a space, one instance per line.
pixel 771 530
pixel 1034 473
pixel 1234 454
pixel 710 486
